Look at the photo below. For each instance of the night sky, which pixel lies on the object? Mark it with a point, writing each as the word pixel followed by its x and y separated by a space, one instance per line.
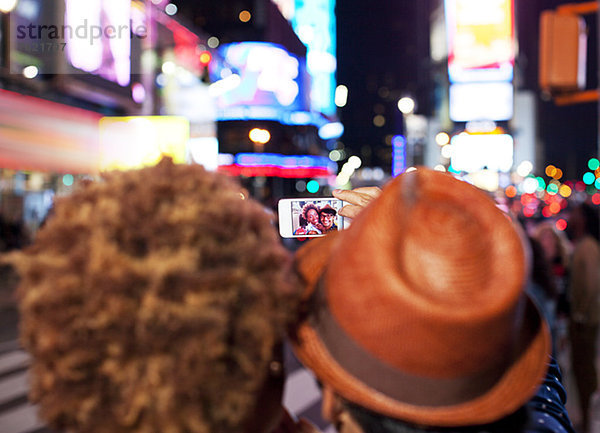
pixel 383 54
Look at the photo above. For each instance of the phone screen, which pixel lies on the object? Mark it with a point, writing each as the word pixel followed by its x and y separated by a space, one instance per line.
pixel 315 217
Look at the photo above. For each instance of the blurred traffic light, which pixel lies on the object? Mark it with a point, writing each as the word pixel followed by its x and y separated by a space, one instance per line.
pixel 205 58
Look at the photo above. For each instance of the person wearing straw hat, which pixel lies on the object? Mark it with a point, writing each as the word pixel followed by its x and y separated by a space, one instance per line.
pixel 416 318
pixel 327 218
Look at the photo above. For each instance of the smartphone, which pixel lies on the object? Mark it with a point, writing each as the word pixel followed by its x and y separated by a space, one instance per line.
pixel 310 217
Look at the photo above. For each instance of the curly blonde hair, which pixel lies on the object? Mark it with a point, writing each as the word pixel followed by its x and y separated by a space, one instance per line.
pixel 151 302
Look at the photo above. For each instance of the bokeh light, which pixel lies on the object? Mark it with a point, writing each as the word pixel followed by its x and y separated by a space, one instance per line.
pixel 67 180
pixel 312 186
pixel 593 164
pixel 596 199
pixel 524 168
pixel 589 178
pixel 171 9
pixel 406 105
pixel 30 71
pixel 7 6
pixel 558 174
pixel 245 16
pixel 510 191
pixel 565 191
pixel 552 188
pixel 550 170
pixel 442 138
pixel 561 224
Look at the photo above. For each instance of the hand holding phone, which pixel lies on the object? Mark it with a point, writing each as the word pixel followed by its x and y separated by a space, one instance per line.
pixel 310 217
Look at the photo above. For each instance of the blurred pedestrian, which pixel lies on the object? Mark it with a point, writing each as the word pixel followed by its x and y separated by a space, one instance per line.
pixel 584 290
pixel 157 301
pixel 557 250
pixel 417 320
pixel 542 287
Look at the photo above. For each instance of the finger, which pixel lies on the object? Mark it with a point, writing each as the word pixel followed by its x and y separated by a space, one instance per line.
pixel 352 197
pixel 371 191
pixel 350 211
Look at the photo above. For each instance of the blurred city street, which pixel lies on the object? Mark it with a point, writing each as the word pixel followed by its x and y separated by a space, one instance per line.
pixel 296 100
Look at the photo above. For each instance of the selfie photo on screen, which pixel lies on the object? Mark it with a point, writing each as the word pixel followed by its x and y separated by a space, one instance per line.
pixel 316 217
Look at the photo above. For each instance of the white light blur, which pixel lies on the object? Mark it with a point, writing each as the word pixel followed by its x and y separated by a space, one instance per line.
pixel 226 159
pixel 225 85
pixel 161 80
pixel 321 61
pixel 342 179
pixel 205 151
pixel 335 155
pixel 30 71
pixel 354 162
pixel 171 9
pixel 260 136
pixel 473 153
pixel 213 42
pixel 409 169
pixel 524 168
pixel 530 185
pixel 225 72
pixel 277 71
pixel 442 138
pixel 446 151
pixel 341 95
pixel 485 179
pixel 406 105
pixel 7 6
pixel 347 169
pixel 470 101
pixel 306 33
pixel 378 173
pixel 439 167
pixel 331 131
pixel 168 68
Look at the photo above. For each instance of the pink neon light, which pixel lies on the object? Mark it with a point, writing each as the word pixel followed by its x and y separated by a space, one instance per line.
pixel 270 171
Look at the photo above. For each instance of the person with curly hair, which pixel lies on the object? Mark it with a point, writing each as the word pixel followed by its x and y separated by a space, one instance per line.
pixel 156 300
pixel 310 216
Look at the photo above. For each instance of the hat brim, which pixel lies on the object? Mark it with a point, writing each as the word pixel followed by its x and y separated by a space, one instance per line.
pixel 515 387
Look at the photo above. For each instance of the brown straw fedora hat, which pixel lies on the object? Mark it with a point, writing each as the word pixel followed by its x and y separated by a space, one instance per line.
pixel 417 311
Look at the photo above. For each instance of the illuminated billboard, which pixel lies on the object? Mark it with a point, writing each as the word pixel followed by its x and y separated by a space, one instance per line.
pixel 106 50
pixel 258 80
pixel 475 152
pixel 481 101
pixel 139 141
pixel 480 35
pixel 315 24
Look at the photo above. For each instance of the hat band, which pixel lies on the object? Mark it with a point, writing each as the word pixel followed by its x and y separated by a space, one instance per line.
pixel 384 378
